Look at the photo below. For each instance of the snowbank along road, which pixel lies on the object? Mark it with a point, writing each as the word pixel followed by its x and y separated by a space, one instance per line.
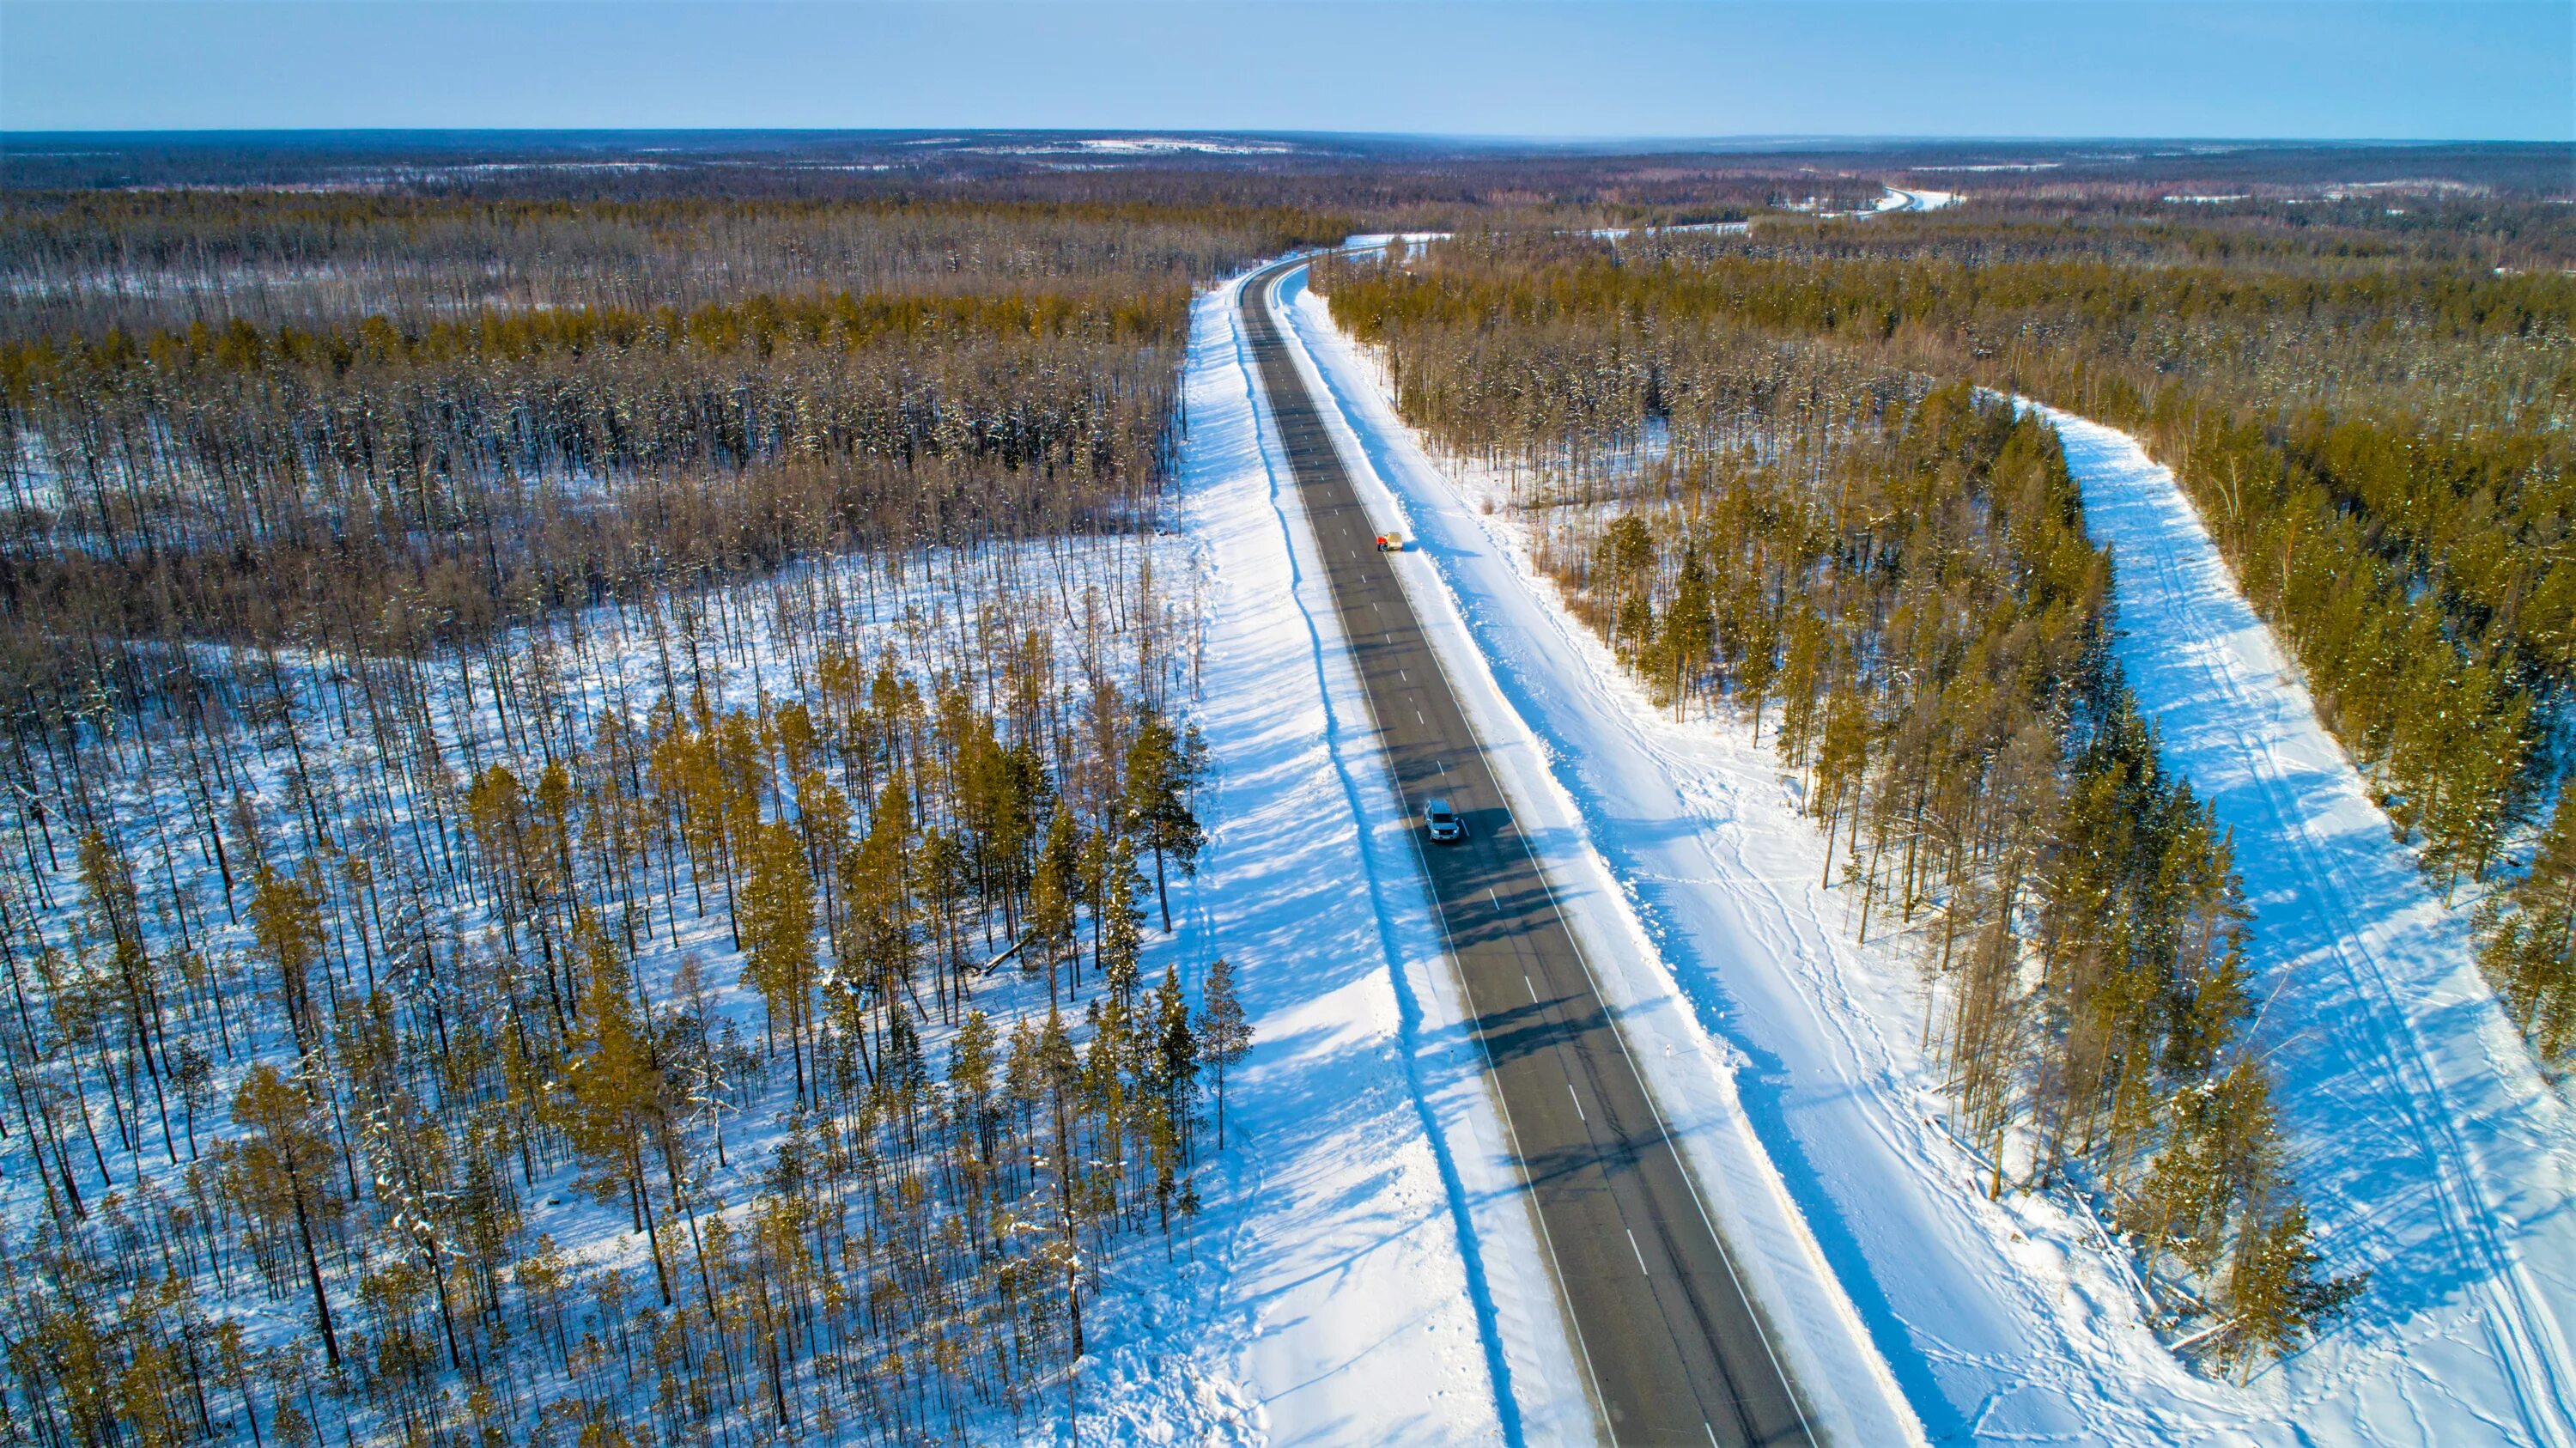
pixel 1673 1347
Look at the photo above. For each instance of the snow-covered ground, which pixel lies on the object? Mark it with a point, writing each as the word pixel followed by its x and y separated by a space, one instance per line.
pixel 2434 1153
pixel 1896 198
pixel 2431 1149
pixel 1377 240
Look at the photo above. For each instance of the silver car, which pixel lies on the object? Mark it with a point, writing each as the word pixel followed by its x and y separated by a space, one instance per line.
pixel 1443 822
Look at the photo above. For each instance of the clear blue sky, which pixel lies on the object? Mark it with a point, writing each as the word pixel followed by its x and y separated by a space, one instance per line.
pixel 2075 68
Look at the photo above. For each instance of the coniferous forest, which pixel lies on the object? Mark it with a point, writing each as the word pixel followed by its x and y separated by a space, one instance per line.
pixel 1782 470
pixel 541 721
pixel 595 749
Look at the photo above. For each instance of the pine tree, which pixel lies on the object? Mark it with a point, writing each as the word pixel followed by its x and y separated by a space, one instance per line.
pixel 617 1090
pixel 286 1174
pixel 971 1063
pixel 1802 679
pixel 2274 1300
pixel 2220 1149
pixel 1225 1037
pixel 878 949
pixel 1627 569
pixel 1690 628
pixel 1122 940
pixel 776 907
pixel 1053 891
pixel 1163 768
pixel 1173 1079
pixel 2530 949
pixel 1056 1073
pixel 286 920
pixel 1757 665
pixel 1840 761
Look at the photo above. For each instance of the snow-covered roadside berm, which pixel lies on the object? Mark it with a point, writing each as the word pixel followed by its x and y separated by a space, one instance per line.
pixel 1818 1332
pixel 2012 1319
pixel 1374 1272
pixel 2432 1152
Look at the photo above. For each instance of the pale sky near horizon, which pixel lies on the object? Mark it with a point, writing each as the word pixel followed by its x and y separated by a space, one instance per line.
pixel 2310 69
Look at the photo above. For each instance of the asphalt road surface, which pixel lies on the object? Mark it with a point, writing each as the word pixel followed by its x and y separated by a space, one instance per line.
pixel 1674 1351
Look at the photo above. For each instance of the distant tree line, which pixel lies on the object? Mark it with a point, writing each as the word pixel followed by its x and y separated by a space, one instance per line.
pixel 340 477
pixel 84 264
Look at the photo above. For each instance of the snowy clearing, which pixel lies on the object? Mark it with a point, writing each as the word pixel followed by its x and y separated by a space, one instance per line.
pixel 2433 1153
